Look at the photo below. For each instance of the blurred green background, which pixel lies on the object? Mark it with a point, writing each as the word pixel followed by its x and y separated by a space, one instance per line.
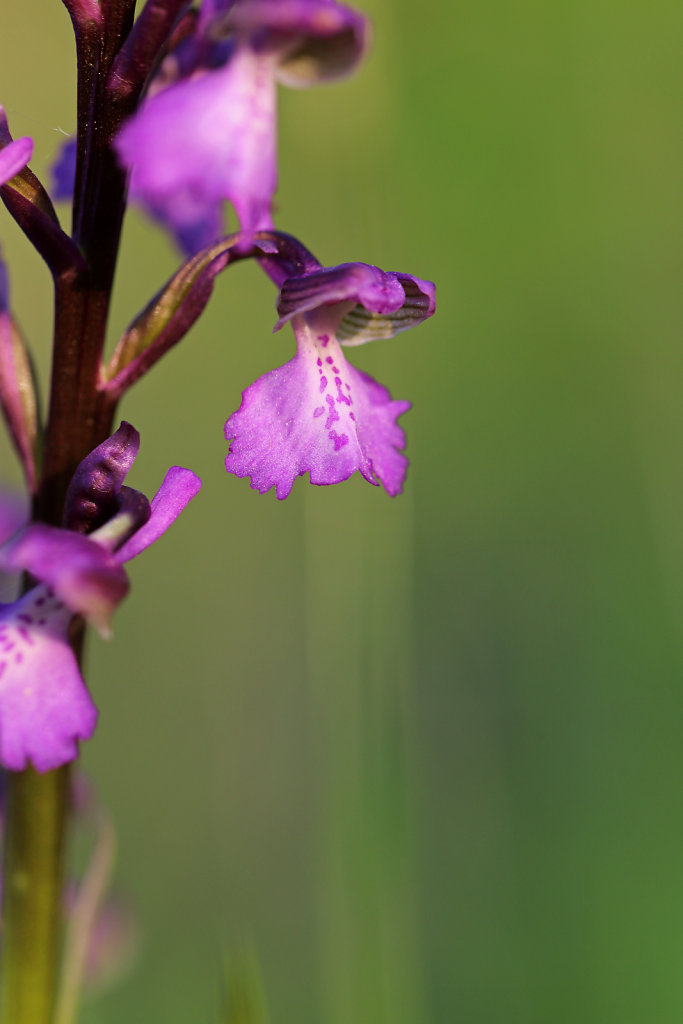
pixel 424 754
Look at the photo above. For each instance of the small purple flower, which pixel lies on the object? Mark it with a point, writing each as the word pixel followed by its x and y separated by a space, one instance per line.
pixel 45 707
pixel 211 136
pixel 14 157
pixel 317 413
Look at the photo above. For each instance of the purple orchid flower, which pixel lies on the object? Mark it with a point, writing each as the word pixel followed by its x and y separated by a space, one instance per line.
pixel 211 135
pixel 14 157
pixel 318 414
pixel 45 707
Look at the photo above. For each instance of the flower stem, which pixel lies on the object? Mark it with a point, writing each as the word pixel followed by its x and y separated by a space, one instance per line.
pixel 32 898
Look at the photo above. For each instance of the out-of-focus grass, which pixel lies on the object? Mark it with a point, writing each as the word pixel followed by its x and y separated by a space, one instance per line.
pixel 426 752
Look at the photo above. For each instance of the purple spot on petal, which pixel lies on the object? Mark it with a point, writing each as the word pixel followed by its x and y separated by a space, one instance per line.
pixel 339 439
pixel 318 412
pixel 323 384
pixel 329 360
pixel 333 415
pixel 41 622
pixel 319 361
pixel 40 601
pixel 341 397
pixel 24 618
pixel 335 369
pixel 324 338
pixel 25 635
pixel 352 416
pixel 348 387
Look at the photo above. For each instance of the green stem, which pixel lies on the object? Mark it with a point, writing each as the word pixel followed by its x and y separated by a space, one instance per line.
pixel 32 898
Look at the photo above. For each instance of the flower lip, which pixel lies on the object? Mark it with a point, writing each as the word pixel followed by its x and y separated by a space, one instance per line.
pixel 45 708
pixel 318 414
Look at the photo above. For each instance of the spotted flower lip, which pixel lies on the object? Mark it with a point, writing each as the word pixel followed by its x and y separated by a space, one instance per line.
pixel 45 707
pixel 211 135
pixel 14 157
pixel 317 413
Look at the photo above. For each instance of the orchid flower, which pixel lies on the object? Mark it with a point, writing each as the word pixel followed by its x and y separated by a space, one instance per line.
pixel 45 707
pixel 211 135
pixel 317 413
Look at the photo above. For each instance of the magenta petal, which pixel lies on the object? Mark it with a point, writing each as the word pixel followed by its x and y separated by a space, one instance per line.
pixel 207 139
pixel 316 414
pixel 379 434
pixel 85 577
pixel 14 157
pixel 45 707
pixel 178 488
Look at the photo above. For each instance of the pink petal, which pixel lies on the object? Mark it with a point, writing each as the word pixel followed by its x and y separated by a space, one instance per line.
pixel 86 577
pixel 45 708
pixel 177 490
pixel 316 414
pixel 207 139
pixel 14 157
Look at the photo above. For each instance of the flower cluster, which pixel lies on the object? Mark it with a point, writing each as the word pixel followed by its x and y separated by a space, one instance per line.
pixel 187 124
